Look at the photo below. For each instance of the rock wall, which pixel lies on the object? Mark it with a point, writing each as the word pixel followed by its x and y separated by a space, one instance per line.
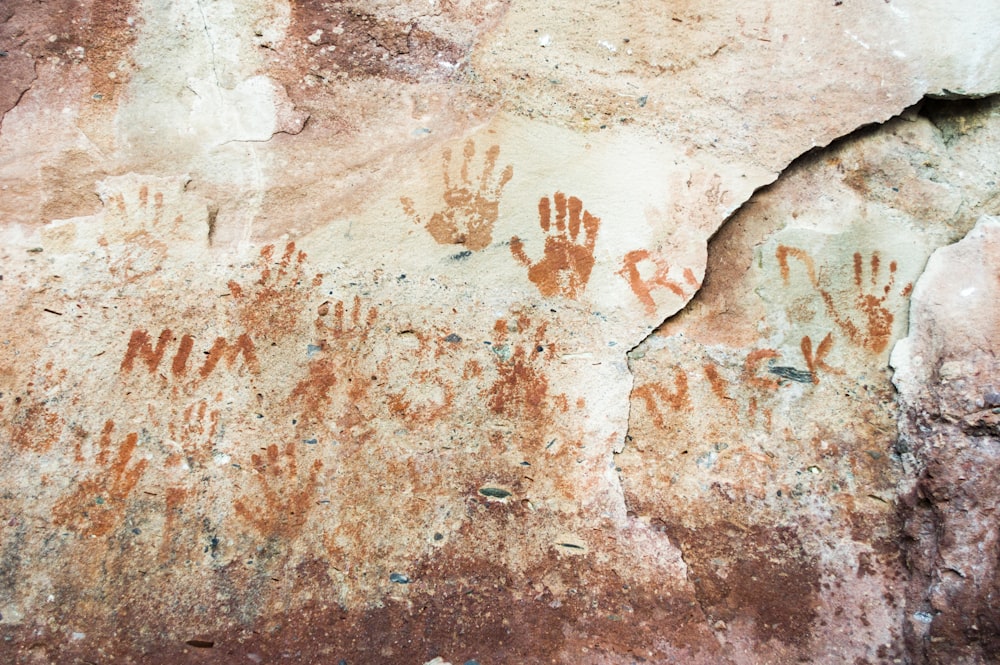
pixel 486 331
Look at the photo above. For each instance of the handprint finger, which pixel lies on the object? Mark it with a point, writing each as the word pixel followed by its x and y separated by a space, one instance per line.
pixel 488 165
pixel 469 151
pixel 560 212
pixel 590 225
pixel 410 210
pixel 446 167
pixel 545 213
pixel 505 177
pixel 575 208
pixel 517 249
pixel 892 277
pixel 286 258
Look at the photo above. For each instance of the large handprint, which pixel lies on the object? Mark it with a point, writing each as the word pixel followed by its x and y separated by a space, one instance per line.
pixel 868 320
pixel 871 325
pixel 470 214
pixel 569 258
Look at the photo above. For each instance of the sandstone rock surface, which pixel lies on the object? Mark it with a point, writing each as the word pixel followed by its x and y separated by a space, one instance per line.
pixel 332 331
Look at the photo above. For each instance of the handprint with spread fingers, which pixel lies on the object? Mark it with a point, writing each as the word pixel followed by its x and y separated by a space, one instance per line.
pixel 874 328
pixel 870 321
pixel 98 503
pixel 285 493
pixel 471 212
pixel 271 307
pixel 569 247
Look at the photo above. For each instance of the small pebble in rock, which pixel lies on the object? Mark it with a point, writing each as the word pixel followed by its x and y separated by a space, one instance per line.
pixel 399 578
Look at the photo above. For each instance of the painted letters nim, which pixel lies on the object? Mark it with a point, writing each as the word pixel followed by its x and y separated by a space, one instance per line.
pixel 140 346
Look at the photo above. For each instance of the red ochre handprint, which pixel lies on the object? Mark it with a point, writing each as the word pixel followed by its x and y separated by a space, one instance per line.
pixel 197 433
pixel 98 503
pixel 286 497
pixel 643 288
pixel 271 307
pixel 569 248
pixel 870 326
pixel 470 213
pixel 522 386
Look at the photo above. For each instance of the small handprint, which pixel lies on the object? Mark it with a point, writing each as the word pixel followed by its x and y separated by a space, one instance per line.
pixel 470 213
pixel 565 267
pixel 132 211
pixel 286 496
pixel 275 303
pixel 197 433
pixel 355 323
pixel 643 288
pixel 521 351
pixel 340 367
pixel 875 327
pixel 98 503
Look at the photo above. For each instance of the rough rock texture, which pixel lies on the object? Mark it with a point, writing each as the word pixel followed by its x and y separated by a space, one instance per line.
pixel 763 435
pixel 332 332
pixel 947 375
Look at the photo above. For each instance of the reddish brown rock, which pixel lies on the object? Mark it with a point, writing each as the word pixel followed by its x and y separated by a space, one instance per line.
pixel 946 372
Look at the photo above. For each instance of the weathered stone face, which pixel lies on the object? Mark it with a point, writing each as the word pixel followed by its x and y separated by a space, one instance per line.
pixel 388 332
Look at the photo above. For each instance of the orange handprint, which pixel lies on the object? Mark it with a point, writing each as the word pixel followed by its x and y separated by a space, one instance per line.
pixel 565 267
pixel 286 496
pixel 273 305
pixel 522 386
pixel 875 329
pixel 470 214
pixel 97 505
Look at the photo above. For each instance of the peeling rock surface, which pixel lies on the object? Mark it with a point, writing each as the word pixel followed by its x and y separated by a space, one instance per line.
pixel 493 332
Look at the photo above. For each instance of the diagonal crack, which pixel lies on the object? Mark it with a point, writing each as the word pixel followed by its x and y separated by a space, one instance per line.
pixel 24 90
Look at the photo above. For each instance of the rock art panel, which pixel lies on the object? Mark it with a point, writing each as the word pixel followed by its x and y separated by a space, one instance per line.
pixel 335 365
pixel 763 418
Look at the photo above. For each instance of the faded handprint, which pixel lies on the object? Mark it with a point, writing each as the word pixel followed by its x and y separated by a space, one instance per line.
pixel 656 394
pixel 195 436
pixel 353 323
pixel 340 371
pixel 522 386
pixel 565 267
pixel 286 496
pixel 98 503
pixel 418 384
pixel 273 305
pixel 470 212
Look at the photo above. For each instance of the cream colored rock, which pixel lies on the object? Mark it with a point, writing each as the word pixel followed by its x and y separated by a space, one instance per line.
pixel 336 365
